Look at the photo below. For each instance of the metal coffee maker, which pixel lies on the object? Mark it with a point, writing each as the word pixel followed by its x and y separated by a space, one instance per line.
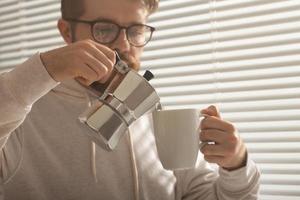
pixel 127 97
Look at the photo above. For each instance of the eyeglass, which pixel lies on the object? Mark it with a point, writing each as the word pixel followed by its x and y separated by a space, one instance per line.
pixel 106 32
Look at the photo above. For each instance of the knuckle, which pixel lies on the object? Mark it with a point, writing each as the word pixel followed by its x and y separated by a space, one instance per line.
pixel 80 52
pixel 105 70
pixel 207 158
pixel 231 128
pixel 202 135
pixel 222 162
pixel 111 64
pixel 81 43
pixel 204 122
pixel 102 67
pixel 89 41
pixel 85 44
pixel 207 150
pixel 201 138
pixel 108 65
pixel 212 107
pixel 88 45
pixel 203 150
pixel 112 56
pixel 233 139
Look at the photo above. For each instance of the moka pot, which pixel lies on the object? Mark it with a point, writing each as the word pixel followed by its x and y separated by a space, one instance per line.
pixel 127 97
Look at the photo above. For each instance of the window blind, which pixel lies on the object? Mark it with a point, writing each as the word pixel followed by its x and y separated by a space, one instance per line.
pixel 244 56
pixel 27 26
pixel 241 55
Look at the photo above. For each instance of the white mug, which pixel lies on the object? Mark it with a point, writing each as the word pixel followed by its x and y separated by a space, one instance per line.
pixel 177 137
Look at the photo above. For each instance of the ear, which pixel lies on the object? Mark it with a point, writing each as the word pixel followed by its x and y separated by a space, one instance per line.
pixel 65 30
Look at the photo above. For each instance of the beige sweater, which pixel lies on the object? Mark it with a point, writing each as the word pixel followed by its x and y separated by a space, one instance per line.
pixel 45 153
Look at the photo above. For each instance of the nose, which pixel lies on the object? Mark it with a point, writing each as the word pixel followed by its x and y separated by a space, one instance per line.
pixel 122 43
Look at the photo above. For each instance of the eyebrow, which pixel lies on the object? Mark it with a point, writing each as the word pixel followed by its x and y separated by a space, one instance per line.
pixel 104 19
pixel 112 21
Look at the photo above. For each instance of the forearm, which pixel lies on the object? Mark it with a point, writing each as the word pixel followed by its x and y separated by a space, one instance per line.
pixel 241 184
pixel 19 89
pixel 204 183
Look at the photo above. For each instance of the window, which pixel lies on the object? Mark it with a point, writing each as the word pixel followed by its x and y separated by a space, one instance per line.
pixel 242 55
pixel 25 27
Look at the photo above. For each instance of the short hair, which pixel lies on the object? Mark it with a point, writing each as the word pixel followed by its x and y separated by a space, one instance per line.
pixel 151 5
pixel 75 8
pixel 71 9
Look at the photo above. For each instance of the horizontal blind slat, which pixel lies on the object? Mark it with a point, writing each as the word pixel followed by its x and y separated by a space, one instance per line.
pixel 281 190
pixel 276 158
pixel 232 86
pixel 280 179
pixel 278 197
pixel 242 106
pixel 280 168
pixel 274 147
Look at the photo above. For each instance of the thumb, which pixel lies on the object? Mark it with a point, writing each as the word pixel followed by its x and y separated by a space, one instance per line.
pixel 212 111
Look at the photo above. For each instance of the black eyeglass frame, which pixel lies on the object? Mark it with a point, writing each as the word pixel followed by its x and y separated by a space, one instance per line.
pixel 92 24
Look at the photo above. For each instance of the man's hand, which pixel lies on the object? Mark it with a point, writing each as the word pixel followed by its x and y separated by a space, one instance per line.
pixel 229 151
pixel 87 61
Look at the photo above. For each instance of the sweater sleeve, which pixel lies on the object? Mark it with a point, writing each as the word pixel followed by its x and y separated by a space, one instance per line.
pixel 207 183
pixel 19 90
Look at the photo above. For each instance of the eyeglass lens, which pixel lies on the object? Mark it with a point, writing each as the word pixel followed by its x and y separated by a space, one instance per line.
pixel 137 35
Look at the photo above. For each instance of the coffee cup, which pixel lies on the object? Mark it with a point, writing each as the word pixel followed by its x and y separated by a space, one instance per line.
pixel 177 137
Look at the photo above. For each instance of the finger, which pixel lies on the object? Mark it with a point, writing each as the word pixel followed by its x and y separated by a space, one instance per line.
pixel 203 115
pixel 213 150
pixel 109 53
pixel 86 74
pixel 83 81
pixel 216 123
pixel 97 66
pixel 104 59
pixel 212 111
pixel 202 144
pixel 215 135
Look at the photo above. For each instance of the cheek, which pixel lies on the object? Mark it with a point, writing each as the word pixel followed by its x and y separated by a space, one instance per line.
pixel 137 52
pixel 137 56
pixel 83 33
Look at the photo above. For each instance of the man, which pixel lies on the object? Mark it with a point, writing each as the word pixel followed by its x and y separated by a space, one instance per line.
pixel 45 152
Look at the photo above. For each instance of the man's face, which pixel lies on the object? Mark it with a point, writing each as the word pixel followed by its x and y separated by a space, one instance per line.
pixel 121 12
